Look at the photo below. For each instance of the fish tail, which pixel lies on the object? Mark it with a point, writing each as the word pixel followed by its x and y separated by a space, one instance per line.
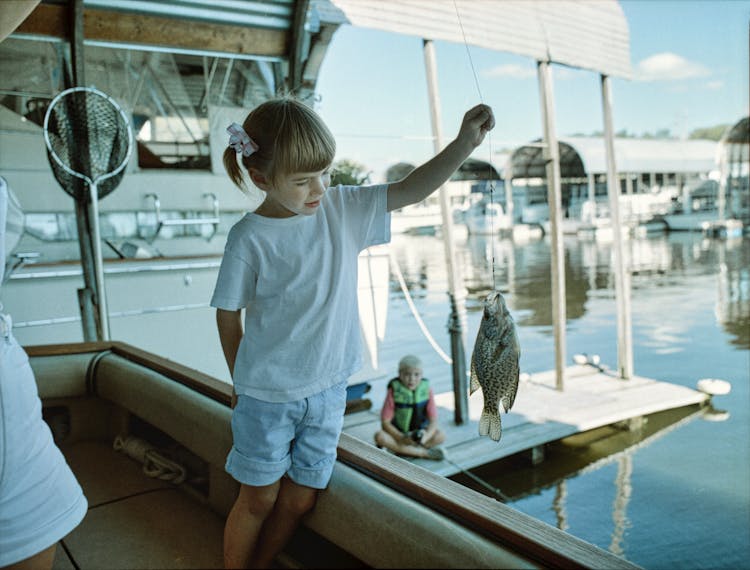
pixel 489 424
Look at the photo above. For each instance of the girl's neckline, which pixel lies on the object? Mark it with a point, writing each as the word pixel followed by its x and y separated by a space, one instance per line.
pixel 296 219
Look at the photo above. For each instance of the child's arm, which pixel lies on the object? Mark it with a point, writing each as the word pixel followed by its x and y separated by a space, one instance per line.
pixel 424 180
pixel 229 324
pixel 395 433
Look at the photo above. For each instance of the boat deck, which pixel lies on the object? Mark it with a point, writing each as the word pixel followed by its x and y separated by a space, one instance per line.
pixel 592 398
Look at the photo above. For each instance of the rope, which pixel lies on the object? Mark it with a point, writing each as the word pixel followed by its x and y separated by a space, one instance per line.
pixel 497 492
pixel 155 465
pixel 410 302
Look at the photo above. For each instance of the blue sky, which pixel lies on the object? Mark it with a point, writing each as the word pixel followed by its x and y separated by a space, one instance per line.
pixel 690 70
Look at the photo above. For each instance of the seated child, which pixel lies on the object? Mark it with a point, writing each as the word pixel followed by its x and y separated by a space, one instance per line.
pixel 409 415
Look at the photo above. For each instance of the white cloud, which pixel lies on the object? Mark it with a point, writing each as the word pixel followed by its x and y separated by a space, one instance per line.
pixel 715 85
pixel 667 66
pixel 512 70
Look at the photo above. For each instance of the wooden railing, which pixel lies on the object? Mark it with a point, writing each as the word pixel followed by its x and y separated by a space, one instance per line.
pixel 529 537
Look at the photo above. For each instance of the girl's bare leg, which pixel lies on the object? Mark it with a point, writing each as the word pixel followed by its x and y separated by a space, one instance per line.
pixel 293 502
pixel 40 561
pixel 244 523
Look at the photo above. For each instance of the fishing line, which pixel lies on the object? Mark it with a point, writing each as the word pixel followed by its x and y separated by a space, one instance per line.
pixel 489 144
pixel 498 493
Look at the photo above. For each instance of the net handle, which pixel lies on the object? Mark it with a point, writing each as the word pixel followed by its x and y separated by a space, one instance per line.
pixel 57 159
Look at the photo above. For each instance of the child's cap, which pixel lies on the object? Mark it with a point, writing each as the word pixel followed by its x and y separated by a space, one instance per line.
pixel 409 361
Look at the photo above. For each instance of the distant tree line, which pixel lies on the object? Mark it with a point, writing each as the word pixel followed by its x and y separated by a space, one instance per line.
pixel 706 133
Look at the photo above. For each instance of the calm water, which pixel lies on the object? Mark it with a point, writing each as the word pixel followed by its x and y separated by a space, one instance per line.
pixel 677 493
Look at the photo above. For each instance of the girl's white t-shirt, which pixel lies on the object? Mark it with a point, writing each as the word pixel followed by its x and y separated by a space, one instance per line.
pixel 297 279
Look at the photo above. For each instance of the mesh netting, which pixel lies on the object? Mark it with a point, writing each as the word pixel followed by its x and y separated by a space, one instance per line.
pixel 89 135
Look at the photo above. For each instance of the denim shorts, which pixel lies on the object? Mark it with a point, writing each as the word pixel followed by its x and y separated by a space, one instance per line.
pixel 297 439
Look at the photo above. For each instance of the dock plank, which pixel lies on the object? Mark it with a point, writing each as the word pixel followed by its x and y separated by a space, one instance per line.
pixel 541 414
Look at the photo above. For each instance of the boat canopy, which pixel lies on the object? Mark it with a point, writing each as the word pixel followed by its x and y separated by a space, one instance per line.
pixel 587 35
pixel 580 156
pixel 739 133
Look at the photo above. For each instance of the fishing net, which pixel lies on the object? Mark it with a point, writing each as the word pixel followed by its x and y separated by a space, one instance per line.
pixel 88 140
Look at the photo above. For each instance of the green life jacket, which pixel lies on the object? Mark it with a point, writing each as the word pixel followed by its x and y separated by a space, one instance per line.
pixel 411 405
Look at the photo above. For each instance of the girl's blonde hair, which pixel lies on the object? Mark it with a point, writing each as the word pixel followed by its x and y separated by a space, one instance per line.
pixel 291 138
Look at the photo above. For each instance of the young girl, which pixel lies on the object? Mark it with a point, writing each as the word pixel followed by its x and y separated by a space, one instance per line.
pixel 292 266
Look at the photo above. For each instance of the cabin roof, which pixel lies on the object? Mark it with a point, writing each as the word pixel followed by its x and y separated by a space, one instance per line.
pixel 739 133
pixel 580 156
pixel 587 35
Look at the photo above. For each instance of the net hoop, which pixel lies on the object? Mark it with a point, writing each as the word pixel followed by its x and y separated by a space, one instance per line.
pixel 65 167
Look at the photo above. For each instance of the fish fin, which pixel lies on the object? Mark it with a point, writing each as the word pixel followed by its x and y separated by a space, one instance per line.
pixel 474 384
pixel 510 396
pixel 489 424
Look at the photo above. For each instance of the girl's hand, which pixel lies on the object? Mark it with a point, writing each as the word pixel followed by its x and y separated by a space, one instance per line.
pixel 477 122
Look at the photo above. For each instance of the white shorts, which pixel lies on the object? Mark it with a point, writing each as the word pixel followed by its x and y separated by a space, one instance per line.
pixel 40 498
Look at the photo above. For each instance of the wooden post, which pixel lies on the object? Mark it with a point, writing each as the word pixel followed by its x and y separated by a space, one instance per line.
pixel 622 273
pixel 296 60
pixel 551 155
pixel 456 289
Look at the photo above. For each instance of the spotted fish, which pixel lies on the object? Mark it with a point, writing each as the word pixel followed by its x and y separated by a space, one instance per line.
pixel 494 363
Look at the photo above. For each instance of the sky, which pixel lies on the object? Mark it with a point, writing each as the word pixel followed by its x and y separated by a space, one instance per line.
pixel 690 70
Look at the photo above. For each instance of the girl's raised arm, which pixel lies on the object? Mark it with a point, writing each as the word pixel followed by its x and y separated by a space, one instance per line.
pixel 423 181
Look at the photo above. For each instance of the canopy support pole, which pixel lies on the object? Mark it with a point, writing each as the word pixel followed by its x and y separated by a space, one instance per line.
pixel 456 289
pixel 622 274
pixel 551 153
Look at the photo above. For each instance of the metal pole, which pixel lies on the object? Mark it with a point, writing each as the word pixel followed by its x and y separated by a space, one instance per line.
pixel 456 290
pixel 508 183
pixel 622 274
pixel 723 176
pixel 87 296
pixel 101 293
pixel 551 153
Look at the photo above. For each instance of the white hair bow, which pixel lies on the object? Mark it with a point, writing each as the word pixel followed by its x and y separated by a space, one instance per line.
pixel 240 141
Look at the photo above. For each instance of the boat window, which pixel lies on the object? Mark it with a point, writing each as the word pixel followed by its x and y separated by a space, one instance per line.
pixel 168 96
pixel 61 226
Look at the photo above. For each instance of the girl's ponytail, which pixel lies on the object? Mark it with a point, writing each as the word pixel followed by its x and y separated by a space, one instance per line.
pixel 233 168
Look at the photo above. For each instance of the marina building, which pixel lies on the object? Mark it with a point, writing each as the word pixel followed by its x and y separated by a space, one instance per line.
pixel 656 178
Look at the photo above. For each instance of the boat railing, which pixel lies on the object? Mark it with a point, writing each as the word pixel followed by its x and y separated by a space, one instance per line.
pixel 164 222
pixel 136 379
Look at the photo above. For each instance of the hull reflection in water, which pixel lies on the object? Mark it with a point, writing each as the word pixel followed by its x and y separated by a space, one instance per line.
pixel 530 473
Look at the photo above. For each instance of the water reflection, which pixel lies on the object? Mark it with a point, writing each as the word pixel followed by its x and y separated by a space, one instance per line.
pixel 690 301
pixel 523 272
pixel 518 477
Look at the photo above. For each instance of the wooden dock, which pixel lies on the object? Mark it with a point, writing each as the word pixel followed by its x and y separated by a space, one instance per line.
pixel 592 398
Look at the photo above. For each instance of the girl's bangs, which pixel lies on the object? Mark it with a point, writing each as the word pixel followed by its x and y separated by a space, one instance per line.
pixel 309 147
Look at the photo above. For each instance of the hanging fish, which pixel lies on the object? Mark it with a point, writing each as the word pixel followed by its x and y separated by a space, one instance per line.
pixel 494 363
